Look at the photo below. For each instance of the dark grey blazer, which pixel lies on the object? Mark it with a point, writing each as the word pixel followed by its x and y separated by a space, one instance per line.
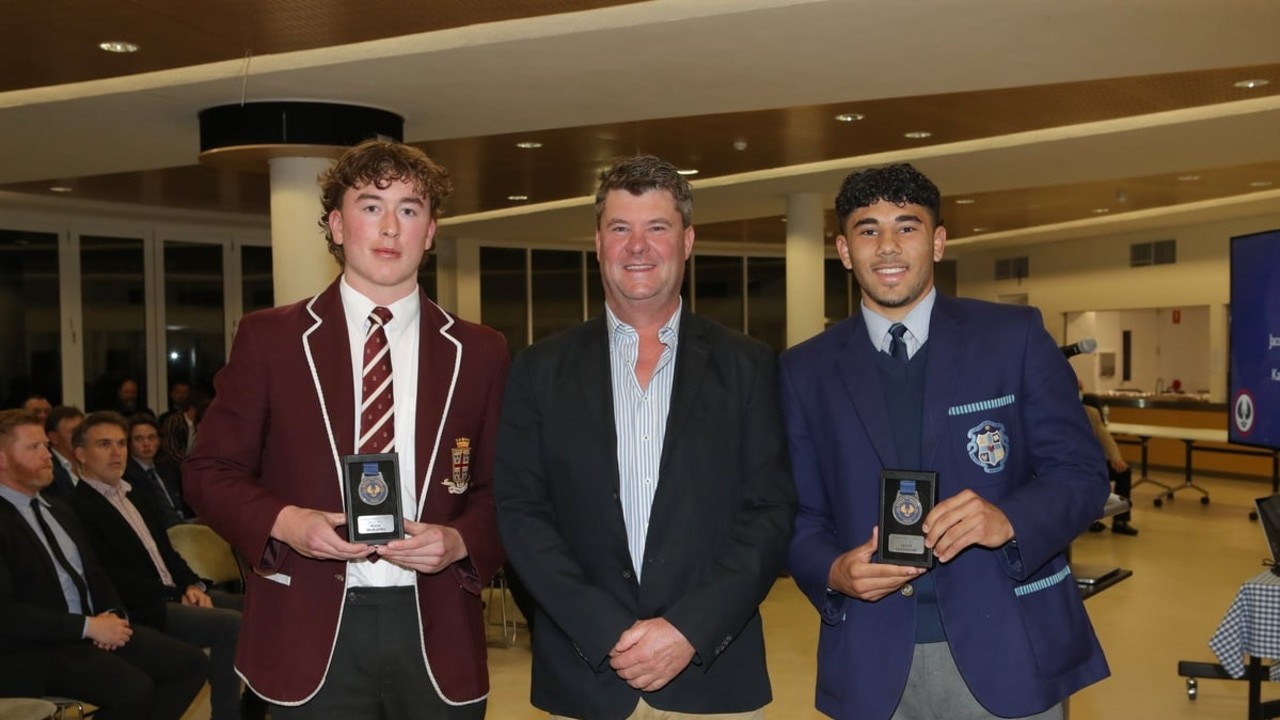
pixel 721 519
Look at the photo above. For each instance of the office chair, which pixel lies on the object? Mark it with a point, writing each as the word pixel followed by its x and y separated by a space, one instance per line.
pixel 26 709
pixel 208 554
pixel 63 704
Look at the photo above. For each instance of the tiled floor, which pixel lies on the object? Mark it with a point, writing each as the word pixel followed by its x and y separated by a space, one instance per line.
pixel 1187 564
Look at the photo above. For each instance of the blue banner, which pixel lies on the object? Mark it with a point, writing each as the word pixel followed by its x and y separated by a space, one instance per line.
pixel 1254 380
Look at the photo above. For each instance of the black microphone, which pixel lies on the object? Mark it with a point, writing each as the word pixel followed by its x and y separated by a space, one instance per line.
pixel 1087 345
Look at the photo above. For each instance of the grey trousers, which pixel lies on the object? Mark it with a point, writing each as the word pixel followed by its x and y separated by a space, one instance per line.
pixel 936 691
pixel 216 628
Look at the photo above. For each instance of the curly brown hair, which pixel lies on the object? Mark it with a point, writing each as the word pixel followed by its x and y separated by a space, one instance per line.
pixel 380 163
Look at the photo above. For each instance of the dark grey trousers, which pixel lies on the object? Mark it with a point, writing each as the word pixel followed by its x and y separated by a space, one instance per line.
pixel 377 672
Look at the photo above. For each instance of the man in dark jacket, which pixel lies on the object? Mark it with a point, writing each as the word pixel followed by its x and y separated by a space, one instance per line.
pixel 158 587
pixel 62 626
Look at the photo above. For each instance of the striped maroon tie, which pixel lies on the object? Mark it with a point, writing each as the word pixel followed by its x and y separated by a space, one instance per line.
pixel 377 413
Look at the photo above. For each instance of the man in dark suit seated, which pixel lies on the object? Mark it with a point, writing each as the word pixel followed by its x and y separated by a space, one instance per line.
pixel 60 633
pixel 39 405
pixel 128 399
pixel 158 478
pixel 179 399
pixel 59 426
pixel 159 589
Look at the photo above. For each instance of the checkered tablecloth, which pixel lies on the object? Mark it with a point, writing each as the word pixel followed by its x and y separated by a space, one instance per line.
pixel 1251 626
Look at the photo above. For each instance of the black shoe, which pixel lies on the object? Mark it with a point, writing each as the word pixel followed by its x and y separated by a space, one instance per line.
pixel 252 707
pixel 1097 526
pixel 1121 527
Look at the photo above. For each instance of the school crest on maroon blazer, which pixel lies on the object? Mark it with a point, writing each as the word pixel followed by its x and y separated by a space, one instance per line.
pixel 460 479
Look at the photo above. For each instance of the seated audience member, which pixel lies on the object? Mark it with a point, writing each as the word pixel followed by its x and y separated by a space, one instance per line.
pixel 179 399
pixel 159 589
pixel 160 479
pixel 1121 473
pixel 59 426
pixel 127 399
pixel 178 433
pixel 62 626
pixel 39 405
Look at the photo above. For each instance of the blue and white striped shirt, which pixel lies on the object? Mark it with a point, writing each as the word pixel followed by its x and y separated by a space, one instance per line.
pixel 640 416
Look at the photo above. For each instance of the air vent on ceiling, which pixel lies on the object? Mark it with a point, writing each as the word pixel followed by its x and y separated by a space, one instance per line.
pixel 1014 268
pixel 1160 252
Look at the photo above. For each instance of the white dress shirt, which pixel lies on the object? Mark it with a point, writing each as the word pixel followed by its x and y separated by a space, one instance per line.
pixel 402 337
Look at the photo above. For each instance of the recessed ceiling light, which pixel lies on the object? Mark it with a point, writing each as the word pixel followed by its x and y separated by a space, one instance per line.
pixel 1252 83
pixel 1261 183
pixel 917 134
pixel 529 145
pixel 688 171
pixel 1100 211
pixel 118 46
pixel 60 189
pixel 850 117
pixel 965 201
pixel 517 198
pixel 1188 178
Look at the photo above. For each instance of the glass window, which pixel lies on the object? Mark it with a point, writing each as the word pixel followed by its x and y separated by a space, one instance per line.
pixel 944 277
pixel 195 336
pixel 30 333
pixel 427 276
pixel 255 275
pixel 503 294
pixel 595 290
pixel 767 300
pixel 718 289
pixel 557 291
pixel 837 291
pixel 113 300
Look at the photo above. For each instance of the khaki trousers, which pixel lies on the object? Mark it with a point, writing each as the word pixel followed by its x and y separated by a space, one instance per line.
pixel 644 711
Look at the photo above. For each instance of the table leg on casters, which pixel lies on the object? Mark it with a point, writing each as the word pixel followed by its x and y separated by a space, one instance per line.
pixel 1188 484
pixel 1143 440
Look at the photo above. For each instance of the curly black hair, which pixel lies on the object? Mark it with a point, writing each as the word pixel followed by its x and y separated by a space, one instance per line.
pixel 899 184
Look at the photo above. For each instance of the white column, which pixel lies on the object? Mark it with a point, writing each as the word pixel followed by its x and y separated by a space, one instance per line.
pixel 1219 351
pixel 805 255
pixel 301 265
pixel 458 276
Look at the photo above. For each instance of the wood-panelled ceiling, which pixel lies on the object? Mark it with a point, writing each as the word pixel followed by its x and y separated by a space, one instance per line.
pixel 490 170
pixel 57 42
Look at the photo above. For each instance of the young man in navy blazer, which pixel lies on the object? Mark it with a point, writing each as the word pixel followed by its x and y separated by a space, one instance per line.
pixel 980 394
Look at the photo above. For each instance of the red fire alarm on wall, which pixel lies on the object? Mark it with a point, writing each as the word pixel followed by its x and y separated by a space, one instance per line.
pixel 1177 316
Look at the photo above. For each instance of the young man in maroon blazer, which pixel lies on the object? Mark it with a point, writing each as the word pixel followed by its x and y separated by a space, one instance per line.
pixel 334 628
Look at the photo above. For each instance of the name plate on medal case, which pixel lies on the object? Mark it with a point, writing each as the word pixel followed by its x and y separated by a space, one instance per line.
pixel 371 485
pixel 906 497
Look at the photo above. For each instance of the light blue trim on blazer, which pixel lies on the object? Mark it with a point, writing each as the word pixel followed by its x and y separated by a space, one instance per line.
pixel 1043 583
pixel 980 406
